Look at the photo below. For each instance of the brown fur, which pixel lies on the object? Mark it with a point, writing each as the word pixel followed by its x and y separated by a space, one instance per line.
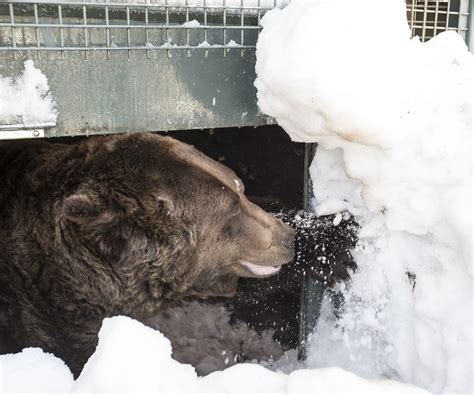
pixel 118 225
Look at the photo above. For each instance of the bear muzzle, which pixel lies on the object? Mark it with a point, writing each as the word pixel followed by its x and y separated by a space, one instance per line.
pixel 282 252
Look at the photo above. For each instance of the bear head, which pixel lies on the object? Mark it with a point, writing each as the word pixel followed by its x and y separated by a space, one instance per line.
pixel 165 221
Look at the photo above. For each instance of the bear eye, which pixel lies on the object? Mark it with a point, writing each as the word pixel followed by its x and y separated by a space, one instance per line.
pixel 236 211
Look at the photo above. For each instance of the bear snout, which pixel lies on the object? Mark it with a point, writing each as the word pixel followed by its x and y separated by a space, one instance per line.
pixel 288 240
pixel 285 237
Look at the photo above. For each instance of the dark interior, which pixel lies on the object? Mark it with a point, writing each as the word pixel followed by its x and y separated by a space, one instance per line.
pixel 270 165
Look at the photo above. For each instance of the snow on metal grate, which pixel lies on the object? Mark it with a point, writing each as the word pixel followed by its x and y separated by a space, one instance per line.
pixel 47 25
pixel 150 25
pixel 429 18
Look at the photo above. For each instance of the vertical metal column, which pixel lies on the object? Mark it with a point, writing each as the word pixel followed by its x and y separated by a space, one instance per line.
pixel 311 290
pixel 470 33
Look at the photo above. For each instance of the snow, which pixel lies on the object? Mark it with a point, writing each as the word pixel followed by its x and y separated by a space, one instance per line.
pixel 392 118
pixel 26 99
pixel 191 24
pixel 131 357
pixel 393 121
pixel 33 370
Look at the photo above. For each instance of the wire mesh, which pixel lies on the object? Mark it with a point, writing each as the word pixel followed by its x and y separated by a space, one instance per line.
pixel 429 18
pixel 110 26
pixel 130 25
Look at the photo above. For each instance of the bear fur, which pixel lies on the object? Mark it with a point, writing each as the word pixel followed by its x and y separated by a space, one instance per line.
pixel 119 225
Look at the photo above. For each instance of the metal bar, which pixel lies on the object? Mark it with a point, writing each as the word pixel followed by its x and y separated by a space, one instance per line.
pixel 470 32
pixel 12 20
pixel 312 291
pixel 61 34
pixel 224 22
pixel 259 13
pixel 128 30
pixel 309 152
pixel 423 31
pixel 206 52
pixel 242 24
pixel 436 18
pixel 147 33
pixel 103 26
pixel 143 48
pixel 20 126
pixel 37 38
pixel 187 29
pixel 107 32
pixel 135 5
pixel 167 13
pixel 86 33
pixel 463 20
pixel 412 17
pixel 448 9
pixel 21 134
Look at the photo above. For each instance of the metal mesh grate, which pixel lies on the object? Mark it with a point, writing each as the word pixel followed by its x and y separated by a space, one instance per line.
pixel 106 26
pixel 48 25
pixel 429 18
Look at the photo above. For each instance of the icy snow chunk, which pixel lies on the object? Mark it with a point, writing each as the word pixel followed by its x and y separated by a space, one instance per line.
pixel 204 44
pixel 193 23
pixel 26 99
pixel 232 43
pixel 33 370
pixel 132 357
pixel 337 219
pixel 393 121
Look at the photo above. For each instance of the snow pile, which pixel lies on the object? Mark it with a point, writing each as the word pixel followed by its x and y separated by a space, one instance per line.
pixel 392 117
pixel 33 370
pixel 131 357
pixel 26 100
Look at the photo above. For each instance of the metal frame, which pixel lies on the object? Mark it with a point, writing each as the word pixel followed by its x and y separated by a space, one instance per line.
pixel 138 66
pixel 428 18
pixel 135 17
pixel 111 47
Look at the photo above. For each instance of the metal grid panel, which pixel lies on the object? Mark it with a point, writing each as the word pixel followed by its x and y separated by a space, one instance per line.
pixel 170 64
pixel 46 25
pixel 429 18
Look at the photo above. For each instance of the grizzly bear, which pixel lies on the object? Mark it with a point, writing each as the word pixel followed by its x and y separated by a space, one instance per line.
pixel 119 225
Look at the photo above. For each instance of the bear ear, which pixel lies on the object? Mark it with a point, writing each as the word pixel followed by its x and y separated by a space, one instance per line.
pixel 80 209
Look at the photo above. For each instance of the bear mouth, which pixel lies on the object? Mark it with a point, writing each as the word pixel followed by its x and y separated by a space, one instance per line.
pixel 260 270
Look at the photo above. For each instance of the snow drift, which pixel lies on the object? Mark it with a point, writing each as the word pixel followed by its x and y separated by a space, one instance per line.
pixel 393 120
pixel 26 100
pixel 131 357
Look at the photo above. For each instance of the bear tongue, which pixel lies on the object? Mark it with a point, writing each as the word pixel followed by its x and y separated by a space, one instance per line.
pixel 260 270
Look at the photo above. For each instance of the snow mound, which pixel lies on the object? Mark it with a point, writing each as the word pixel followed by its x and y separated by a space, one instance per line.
pixel 134 358
pixel 33 370
pixel 393 120
pixel 26 100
